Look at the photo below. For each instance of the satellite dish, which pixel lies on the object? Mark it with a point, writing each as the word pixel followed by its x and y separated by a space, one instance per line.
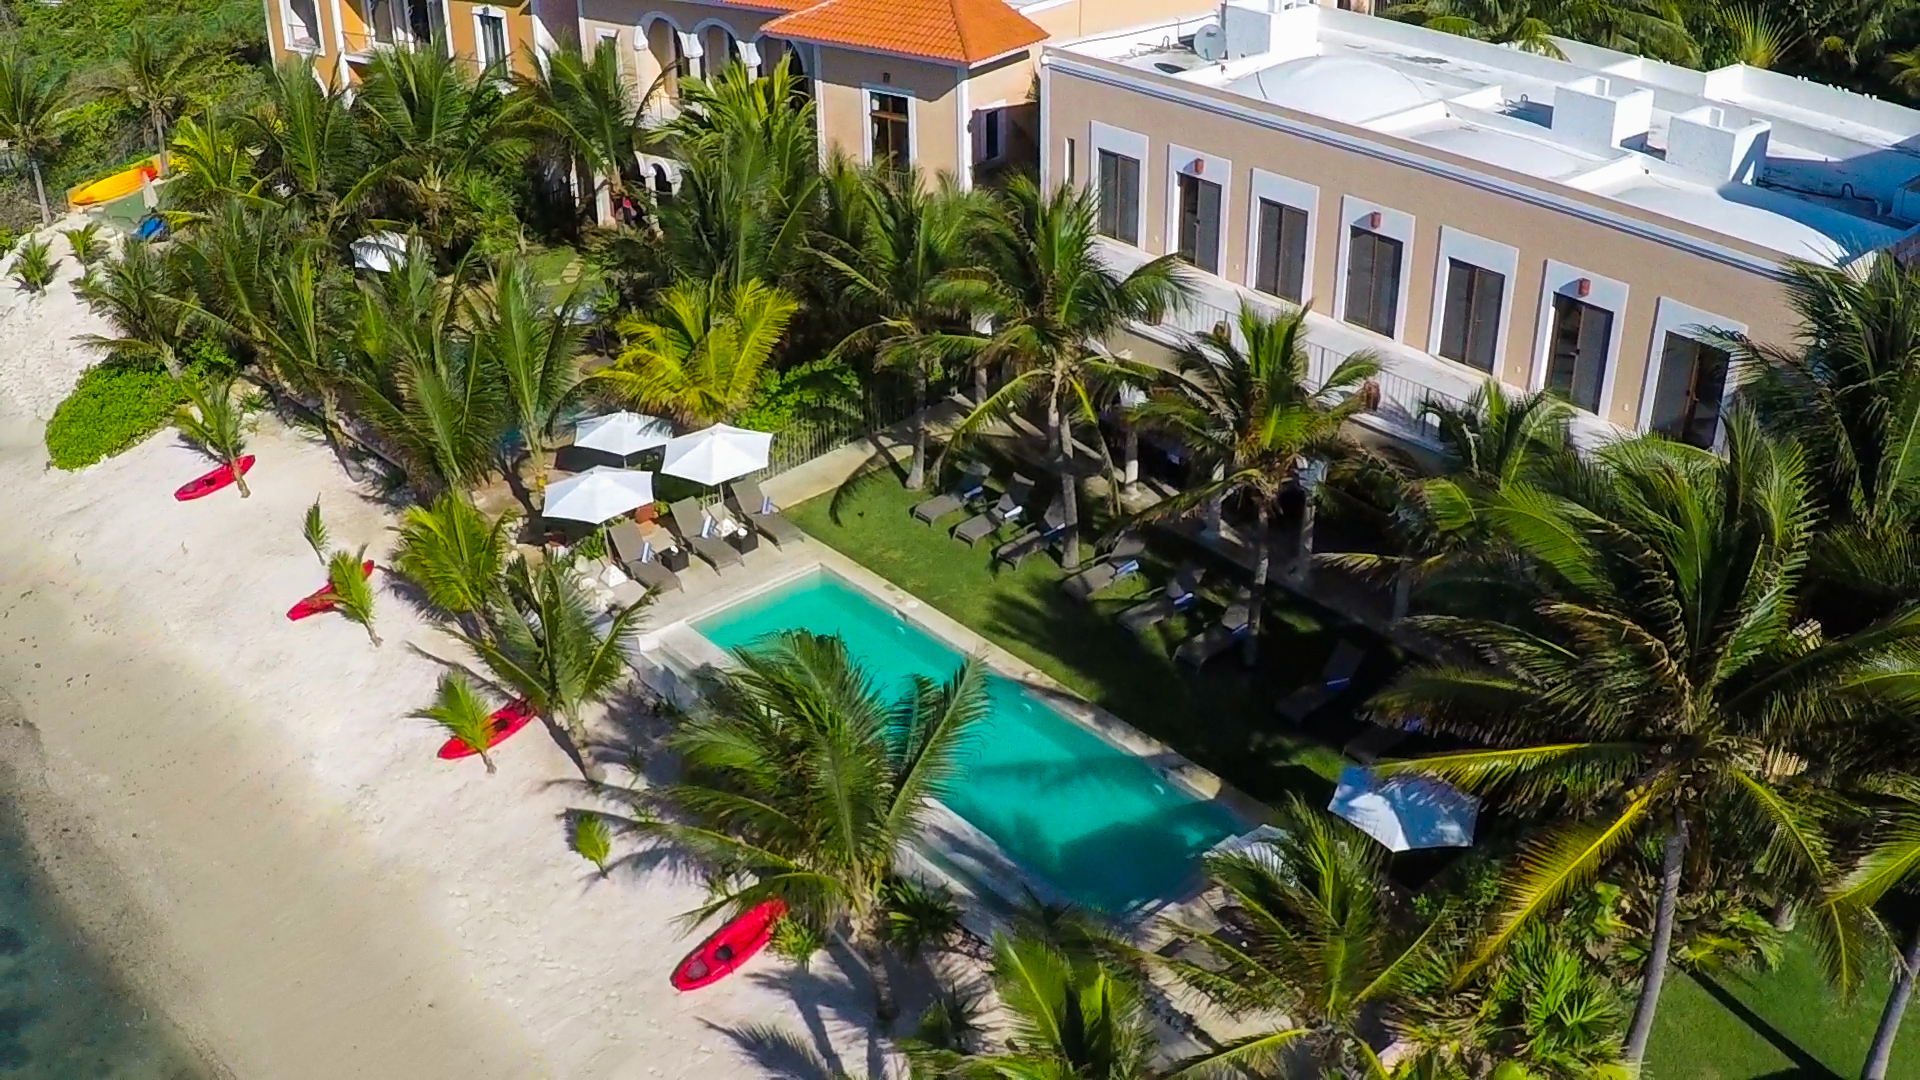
pixel 1209 43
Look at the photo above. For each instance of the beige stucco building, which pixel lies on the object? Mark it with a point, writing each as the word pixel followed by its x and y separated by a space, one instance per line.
pixel 1468 211
pixel 339 36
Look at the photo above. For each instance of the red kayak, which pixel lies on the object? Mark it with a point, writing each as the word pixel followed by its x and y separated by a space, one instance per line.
pixel 509 719
pixel 212 481
pixel 730 946
pixel 322 599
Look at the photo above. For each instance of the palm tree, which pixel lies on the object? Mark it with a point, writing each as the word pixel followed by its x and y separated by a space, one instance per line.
pixel 535 344
pixel 36 108
pixel 137 295
pixel 917 236
pixel 592 840
pixel 152 77
pixel 1052 301
pixel 351 590
pixel 218 423
pixel 455 556
pixel 459 711
pixel 542 646
pixel 1886 867
pixel 589 112
pixel 1643 27
pixel 1658 681
pixel 1319 944
pixel 699 356
pixel 215 160
pixel 309 150
pixel 804 781
pixel 1247 414
pixel 1068 1018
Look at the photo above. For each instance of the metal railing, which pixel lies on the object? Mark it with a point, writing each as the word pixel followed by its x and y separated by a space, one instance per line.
pixel 806 439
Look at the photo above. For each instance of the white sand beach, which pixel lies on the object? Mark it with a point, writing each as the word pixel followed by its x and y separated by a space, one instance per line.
pixel 241 812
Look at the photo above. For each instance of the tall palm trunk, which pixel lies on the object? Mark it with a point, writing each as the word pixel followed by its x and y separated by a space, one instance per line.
pixel 1882 1048
pixel 159 138
pixel 40 189
pixel 917 472
pixel 1062 447
pixel 1654 974
pixel 979 384
pixel 865 945
pixel 1303 551
pixel 1262 560
pixel 240 482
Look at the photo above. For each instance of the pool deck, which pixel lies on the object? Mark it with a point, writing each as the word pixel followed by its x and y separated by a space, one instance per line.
pixel 669 654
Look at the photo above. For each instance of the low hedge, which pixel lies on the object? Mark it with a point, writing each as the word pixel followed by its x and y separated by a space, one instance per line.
pixel 112 408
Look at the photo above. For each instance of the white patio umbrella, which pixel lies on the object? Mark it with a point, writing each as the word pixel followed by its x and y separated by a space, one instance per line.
pixel 1405 812
pixel 598 494
pixel 622 434
pixel 379 252
pixel 718 453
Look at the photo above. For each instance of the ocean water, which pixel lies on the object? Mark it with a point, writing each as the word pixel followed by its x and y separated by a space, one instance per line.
pixel 1096 822
pixel 64 1014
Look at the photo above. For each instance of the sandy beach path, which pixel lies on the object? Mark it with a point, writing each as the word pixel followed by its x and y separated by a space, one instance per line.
pixel 266 842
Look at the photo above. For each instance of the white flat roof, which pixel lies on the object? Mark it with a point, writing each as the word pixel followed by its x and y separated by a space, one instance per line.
pixel 1785 164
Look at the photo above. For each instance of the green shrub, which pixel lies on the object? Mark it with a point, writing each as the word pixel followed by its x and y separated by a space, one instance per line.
pixel 112 408
pixel 86 243
pixel 33 266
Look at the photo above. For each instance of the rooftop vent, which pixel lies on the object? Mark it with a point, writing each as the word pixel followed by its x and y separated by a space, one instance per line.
pixel 1701 142
pixel 1596 114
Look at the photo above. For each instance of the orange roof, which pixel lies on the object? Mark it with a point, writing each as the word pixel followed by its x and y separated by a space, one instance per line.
pixel 957 31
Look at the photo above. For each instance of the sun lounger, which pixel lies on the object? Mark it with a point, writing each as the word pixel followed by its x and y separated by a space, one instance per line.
pixel 758 511
pixel 731 529
pixel 1122 561
pixel 1216 639
pixel 631 549
pixel 964 490
pixel 1177 595
pixel 1034 540
pixel 1334 677
pixel 1377 739
pixel 689 521
pixel 1009 508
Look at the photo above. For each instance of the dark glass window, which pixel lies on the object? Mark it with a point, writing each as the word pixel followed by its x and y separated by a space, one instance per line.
pixel 1470 322
pixel 1200 222
pixel 1280 255
pixel 1119 197
pixel 1373 281
pixel 1693 379
pixel 1577 361
pixel 493 40
pixel 892 139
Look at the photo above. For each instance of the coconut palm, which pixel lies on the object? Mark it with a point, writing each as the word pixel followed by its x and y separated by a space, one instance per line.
pixel 592 840
pixel 588 112
pixel 455 556
pixel 1658 687
pixel 33 265
pixel 917 235
pixel 85 243
pixel 1319 944
pixel 534 343
pixel 153 77
pixel 1249 415
pixel 351 590
pixel 313 529
pixel 215 161
pixel 137 295
pixel 541 645
pixel 804 781
pixel 305 145
pixel 1052 301
pixel 1885 867
pixel 1642 27
pixel 699 355
pixel 218 422
pixel 36 109
pixel 459 711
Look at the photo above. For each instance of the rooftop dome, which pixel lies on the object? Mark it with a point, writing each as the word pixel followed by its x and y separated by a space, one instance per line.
pixel 1345 88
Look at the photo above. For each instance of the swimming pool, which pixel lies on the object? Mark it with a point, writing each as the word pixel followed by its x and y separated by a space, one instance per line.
pixel 1096 822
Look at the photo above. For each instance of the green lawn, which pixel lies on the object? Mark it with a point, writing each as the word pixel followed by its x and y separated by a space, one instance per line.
pixel 1779 1025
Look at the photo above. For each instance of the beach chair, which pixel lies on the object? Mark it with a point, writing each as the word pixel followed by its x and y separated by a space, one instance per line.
pixel 1174 598
pixel 731 529
pixel 1334 677
pixel 758 511
pixel 1122 561
pixel 631 549
pixel 1009 508
pixel 967 488
pixel 1036 539
pixel 1216 639
pixel 1367 747
pixel 689 523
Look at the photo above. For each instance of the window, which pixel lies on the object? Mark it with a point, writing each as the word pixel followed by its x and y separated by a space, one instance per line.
pixel 301 22
pixel 891 139
pixel 1280 259
pixel 1070 166
pixel 1577 357
pixel 1470 323
pixel 423 19
pixel 1200 222
pixel 1373 281
pixel 1120 197
pixel 993 134
pixel 1686 402
pixel 381 22
pixel 493 38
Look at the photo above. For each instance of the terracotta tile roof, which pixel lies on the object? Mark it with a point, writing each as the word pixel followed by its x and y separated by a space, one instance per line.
pixel 957 31
pixel 770 5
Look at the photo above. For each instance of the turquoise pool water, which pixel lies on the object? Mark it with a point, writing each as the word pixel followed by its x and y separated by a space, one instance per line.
pixel 1094 821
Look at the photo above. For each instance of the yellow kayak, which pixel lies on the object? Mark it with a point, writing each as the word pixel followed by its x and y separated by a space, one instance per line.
pixel 112 187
